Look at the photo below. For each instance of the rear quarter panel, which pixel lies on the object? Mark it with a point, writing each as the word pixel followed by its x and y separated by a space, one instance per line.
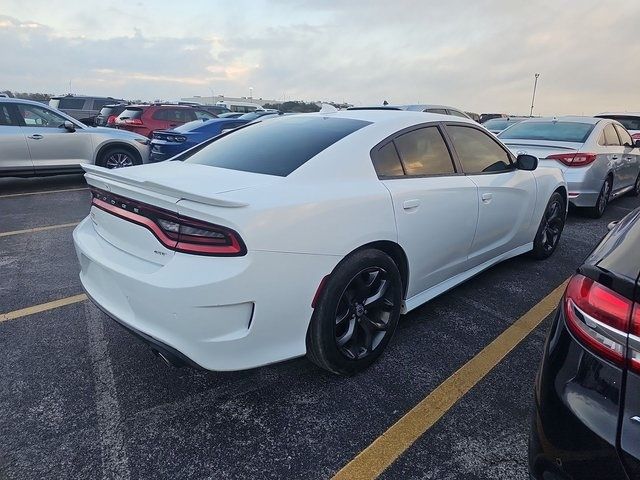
pixel 548 180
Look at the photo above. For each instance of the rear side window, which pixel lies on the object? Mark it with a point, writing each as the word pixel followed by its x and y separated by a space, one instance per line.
pixel 71 103
pixel 423 152
pixel 609 136
pixel 574 132
pixel 386 162
pixel 277 147
pixel 436 110
pixel 131 113
pixel 98 104
pixel 457 113
pixel 5 115
pixel 625 137
pixel 477 151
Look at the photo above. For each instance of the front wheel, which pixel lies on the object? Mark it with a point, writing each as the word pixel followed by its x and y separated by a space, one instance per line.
pixel 636 188
pixel 358 312
pixel 550 228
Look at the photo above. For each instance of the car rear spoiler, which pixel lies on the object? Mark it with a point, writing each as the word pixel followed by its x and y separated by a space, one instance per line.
pixel 101 174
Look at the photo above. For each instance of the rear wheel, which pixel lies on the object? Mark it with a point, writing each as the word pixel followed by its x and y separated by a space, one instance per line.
pixel 550 228
pixel 117 157
pixel 603 200
pixel 358 312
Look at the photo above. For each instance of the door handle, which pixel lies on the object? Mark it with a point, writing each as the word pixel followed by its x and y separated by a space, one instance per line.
pixel 487 197
pixel 615 157
pixel 36 136
pixel 411 204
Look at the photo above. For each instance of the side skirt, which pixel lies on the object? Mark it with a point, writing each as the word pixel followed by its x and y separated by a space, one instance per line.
pixel 442 287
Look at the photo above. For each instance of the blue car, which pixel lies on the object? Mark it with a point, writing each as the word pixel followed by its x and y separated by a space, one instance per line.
pixel 169 143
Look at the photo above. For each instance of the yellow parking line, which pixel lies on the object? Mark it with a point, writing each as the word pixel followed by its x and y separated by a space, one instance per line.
pixel 44 191
pixel 384 450
pixel 43 307
pixel 38 229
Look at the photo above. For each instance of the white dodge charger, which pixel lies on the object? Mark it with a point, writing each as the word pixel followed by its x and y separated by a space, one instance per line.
pixel 308 234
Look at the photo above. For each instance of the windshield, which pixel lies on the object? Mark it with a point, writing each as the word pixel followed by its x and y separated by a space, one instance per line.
pixel 497 124
pixel 277 147
pixel 575 132
pixel 187 127
pixel 131 113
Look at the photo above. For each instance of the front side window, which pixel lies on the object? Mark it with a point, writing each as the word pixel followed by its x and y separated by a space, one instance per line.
pixel 625 137
pixel 609 136
pixel 386 162
pixel 423 152
pixel 34 116
pixel 277 147
pixel 477 151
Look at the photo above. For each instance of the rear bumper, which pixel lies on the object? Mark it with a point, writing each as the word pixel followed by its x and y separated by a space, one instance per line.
pixel 221 313
pixel 575 416
pixel 584 183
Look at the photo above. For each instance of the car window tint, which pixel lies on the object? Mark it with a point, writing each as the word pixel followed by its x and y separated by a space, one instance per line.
pixel 559 131
pixel 203 115
pixel 98 104
pixel 131 113
pixel 5 115
pixel 436 110
pixel 457 113
pixel 477 151
pixel 610 136
pixel 423 152
pixel 625 137
pixel 34 116
pixel 161 114
pixel 180 115
pixel 71 103
pixel 386 161
pixel 629 122
pixel 276 147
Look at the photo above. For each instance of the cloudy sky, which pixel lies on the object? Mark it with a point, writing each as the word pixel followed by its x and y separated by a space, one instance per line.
pixel 479 55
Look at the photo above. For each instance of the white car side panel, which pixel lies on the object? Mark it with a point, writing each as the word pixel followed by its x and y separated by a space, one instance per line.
pixel 436 219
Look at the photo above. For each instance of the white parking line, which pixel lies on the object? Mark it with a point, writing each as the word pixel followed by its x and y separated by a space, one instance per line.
pixel 44 191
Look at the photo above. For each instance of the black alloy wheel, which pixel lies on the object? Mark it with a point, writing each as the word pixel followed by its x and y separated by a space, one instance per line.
pixel 550 228
pixel 363 313
pixel 356 314
pixel 603 200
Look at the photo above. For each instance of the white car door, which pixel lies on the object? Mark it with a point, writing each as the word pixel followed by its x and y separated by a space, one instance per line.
pixel 53 147
pixel 436 207
pixel 14 153
pixel 506 195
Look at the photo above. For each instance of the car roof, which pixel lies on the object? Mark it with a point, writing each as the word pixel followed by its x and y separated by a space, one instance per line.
pixel 395 118
pixel 619 114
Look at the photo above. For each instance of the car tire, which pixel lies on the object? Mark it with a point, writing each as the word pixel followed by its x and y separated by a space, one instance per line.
pixel 603 200
pixel 636 188
pixel 118 157
pixel 356 314
pixel 550 229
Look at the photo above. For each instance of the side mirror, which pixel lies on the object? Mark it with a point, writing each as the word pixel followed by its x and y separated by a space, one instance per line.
pixel 70 126
pixel 526 162
pixel 612 225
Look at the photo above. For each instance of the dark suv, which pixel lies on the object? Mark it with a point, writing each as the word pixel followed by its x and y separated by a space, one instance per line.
pixel 145 119
pixel 80 107
pixel 586 422
pixel 108 114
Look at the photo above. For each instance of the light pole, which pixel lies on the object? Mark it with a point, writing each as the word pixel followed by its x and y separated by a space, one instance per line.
pixel 533 98
pixel 251 92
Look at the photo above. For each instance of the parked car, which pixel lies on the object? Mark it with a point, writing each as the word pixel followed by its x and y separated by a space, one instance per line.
pixel 488 116
pixel 473 116
pixel 108 114
pixel 497 125
pixel 216 109
pixel 80 107
pixel 631 122
pixel 38 140
pixel 308 234
pixel 145 119
pixel 586 422
pixel 168 143
pixel 441 109
pixel 599 158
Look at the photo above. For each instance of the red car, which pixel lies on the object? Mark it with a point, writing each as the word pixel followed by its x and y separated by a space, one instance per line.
pixel 145 119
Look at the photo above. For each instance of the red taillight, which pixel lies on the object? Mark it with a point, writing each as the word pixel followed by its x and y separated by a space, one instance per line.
pixel 174 231
pixel 634 340
pixel 574 159
pixel 598 317
pixel 132 121
pixel 111 120
pixel 636 136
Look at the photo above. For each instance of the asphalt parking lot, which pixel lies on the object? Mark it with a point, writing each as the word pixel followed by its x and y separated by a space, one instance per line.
pixel 82 398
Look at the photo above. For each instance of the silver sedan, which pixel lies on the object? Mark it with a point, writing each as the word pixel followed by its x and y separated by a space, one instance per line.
pixel 599 158
pixel 38 140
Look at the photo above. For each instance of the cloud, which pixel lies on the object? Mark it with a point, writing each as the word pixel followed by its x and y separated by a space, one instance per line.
pixel 480 56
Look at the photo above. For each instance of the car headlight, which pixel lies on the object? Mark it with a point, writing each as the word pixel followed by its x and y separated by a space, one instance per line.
pixel 143 141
